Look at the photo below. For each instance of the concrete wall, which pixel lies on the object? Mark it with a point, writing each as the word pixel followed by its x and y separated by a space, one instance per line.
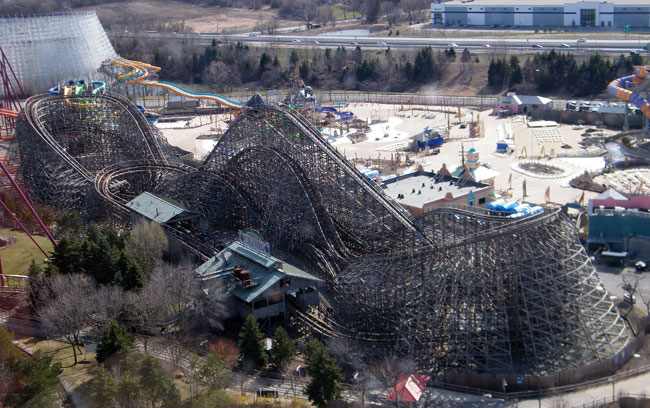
pixel 500 16
pixel 456 15
pixel 548 16
pixel 524 16
pixel 476 15
pixel 634 16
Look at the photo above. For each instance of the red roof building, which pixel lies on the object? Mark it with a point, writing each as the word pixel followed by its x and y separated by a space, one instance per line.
pixel 409 388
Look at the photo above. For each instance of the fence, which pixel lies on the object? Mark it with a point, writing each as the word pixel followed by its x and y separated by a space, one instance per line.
pixel 609 119
pixel 383 98
pixel 623 399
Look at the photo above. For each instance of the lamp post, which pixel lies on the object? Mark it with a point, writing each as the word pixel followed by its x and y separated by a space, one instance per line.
pixel 611 381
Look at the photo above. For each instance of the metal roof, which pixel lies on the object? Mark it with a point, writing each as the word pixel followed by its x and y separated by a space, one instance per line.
pixel 264 271
pixel 421 188
pixel 156 208
pixel 524 100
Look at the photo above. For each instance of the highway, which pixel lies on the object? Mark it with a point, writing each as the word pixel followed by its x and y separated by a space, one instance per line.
pixel 479 43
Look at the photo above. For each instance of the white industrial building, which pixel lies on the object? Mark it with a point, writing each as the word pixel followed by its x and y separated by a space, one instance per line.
pixel 542 13
pixel 49 49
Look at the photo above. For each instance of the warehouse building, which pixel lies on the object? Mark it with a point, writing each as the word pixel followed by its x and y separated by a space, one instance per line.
pixel 542 13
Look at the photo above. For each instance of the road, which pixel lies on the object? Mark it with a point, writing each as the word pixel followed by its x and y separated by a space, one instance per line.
pixel 479 43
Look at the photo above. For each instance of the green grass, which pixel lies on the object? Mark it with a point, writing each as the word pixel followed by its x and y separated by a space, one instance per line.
pixel 17 258
pixel 340 15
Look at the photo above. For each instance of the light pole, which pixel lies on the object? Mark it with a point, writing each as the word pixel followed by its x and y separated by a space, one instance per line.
pixel 611 381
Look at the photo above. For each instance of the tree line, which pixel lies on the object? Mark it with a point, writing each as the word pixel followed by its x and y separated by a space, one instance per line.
pixel 557 71
pixel 223 67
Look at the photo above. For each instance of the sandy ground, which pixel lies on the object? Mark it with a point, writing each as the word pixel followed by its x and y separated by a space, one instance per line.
pixel 391 127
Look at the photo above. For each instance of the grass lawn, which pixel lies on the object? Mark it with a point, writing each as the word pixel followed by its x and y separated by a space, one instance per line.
pixel 17 258
pixel 339 13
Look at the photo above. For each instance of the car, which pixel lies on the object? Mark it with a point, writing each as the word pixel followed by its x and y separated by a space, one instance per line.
pixel 316 42
pixel 486 46
pixel 537 46
pixel 564 45
pixel 383 44
pixel 452 45
pixel 582 40
pixel 629 298
pixel 253 34
pixel 463 125
pixel 435 151
pixel 355 43
pixel 295 40
pixel 640 266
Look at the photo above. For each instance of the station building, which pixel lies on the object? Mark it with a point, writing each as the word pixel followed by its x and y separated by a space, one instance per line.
pixel 542 13
pixel 259 283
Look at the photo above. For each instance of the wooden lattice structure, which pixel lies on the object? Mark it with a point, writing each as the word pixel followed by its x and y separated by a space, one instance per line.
pixel 457 290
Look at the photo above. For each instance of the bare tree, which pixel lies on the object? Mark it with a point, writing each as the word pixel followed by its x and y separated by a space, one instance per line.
pixel 307 10
pixel 142 313
pixel 388 370
pixel 325 15
pixel 146 244
pixel 392 12
pixel 107 305
pixel 70 311
pixel 175 346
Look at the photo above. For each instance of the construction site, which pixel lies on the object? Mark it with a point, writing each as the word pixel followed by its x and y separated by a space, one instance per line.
pixel 475 298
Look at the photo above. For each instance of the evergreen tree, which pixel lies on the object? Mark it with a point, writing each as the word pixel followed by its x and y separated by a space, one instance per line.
pixel 283 350
pixel 103 389
pixel 156 384
pixel 66 256
pixel 265 60
pixel 325 377
pixel 250 343
pixel 128 274
pixel 70 224
pixel 424 66
pixel 516 75
pixel 304 71
pixel 115 340
pixel 212 372
pixel 39 382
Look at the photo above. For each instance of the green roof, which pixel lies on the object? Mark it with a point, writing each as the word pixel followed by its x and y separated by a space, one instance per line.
pixel 156 208
pixel 264 271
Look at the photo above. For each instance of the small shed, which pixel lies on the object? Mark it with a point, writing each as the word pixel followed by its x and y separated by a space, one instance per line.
pixel 514 104
pixel 409 388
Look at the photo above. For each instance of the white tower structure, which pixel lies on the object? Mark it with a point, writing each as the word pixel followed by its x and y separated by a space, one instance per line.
pixel 50 49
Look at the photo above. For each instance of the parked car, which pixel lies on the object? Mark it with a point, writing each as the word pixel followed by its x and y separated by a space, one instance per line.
pixel 641 266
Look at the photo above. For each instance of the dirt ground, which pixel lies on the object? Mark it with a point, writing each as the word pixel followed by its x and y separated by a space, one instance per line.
pixel 208 19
